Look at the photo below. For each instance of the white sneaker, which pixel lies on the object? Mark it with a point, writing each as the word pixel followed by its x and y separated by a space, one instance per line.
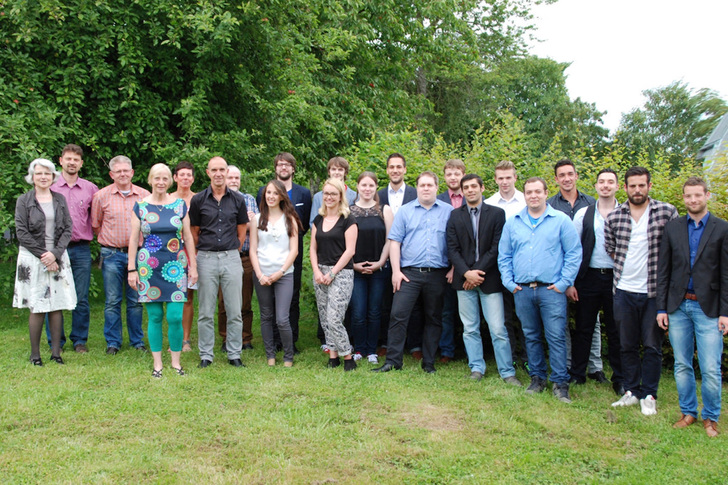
pixel 357 356
pixel 324 348
pixel 627 400
pixel 648 405
pixel 373 358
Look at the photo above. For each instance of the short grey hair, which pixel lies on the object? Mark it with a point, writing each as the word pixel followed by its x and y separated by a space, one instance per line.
pixel 119 159
pixel 233 167
pixel 43 162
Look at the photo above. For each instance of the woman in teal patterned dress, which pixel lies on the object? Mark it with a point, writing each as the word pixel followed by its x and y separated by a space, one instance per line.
pixel 157 268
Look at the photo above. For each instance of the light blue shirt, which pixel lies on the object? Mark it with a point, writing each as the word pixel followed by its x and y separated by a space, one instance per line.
pixel 599 258
pixel 318 200
pixel 547 253
pixel 421 232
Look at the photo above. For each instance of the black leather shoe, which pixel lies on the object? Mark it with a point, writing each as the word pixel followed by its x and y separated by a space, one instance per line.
pixel 598 376
pixel 429 368
pixel 577 380
pixel 204 363
pixel 57 359
pixel 141 348
pixel 38 361
pixel 112 351
pixel 386 368
pixel 248 346
pixel 618 388
pixel 236 363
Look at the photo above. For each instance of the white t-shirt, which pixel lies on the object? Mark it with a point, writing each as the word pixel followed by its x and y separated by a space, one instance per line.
pixel 634 275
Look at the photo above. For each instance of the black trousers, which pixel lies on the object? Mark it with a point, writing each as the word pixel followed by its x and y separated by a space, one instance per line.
pixel 595 294
pixel 431 287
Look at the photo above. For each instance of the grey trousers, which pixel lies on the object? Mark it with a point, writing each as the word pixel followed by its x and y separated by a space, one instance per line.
pixel 274 302
pixel 220 269
pixel 332 301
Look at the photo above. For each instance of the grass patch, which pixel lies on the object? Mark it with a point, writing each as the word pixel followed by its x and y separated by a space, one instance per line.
pixel 105 419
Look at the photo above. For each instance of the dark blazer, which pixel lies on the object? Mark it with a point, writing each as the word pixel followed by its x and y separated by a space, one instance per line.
pixel 710 269
pixel 30 224
pixel 301 199
pixel 410 194
pixel 445 197
pixel 461 245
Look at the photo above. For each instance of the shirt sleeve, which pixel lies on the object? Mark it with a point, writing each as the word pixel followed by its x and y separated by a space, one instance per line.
pixel 572 256
pixel 195 210
pixel 396 233
pixel 505 257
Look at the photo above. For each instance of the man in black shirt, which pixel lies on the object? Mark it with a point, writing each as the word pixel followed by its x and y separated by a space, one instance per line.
pixel 219 219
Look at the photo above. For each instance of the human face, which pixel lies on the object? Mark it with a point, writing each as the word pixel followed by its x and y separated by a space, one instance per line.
pixel 396 170
pixel 337 173
pixel 284 170
pixel 535 195
pixel 506 180
pixel 272 198
pixel 71 163
pixel 696 199
pixel 160 183
pixel 233 179
pixel 566 177
pixel 331 196
pixel 217 170
pixel 607 185
pixel 184 178
pixel 42 177
pixel 638 189
pixel 122 174
pixel 366 188
pixel 426 190
pixel 473 192
pixel 452 178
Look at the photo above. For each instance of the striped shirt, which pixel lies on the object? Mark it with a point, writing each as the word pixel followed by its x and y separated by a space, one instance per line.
pixel 618 231
pixel 111 215
pixel 252 206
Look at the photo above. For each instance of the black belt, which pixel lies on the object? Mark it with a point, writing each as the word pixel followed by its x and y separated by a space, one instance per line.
pixel 125 249
pixel 423 270
pixel 533 284
pixel 602 270
pixel 73 244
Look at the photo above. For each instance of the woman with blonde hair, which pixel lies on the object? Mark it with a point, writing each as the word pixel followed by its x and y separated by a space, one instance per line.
pixel 43 280
pixel 333 243
pixel 158 269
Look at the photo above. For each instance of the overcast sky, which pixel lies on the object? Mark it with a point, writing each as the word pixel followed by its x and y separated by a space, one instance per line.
pixel 618 48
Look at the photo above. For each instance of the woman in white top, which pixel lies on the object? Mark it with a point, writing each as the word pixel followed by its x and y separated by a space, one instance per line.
pixel 273 248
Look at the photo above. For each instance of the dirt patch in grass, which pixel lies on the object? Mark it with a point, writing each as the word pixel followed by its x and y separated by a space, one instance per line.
pixel 432 417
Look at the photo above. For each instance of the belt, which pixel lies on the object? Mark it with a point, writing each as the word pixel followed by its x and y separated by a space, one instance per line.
pixel 125 249
pixel 602 270
pixel 533 284
pixel 691 296
pixel 245 253
pixel 423 270
pixel 78 243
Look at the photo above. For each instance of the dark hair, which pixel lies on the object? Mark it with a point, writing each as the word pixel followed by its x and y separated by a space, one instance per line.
pixel 73 149
pixel 471 176
pixel 536 179
pixel 372 176
pixel 184 165
pixel 397 155
pixel 286 157
pixel 338 162
pixel 695 182
pixel 427 173
pixel 562 163
pixel 608 170
pixel 289 212
pixel 636 172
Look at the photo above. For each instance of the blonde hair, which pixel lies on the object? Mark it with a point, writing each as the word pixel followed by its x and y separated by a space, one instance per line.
pixel 343 208
pixel 156 170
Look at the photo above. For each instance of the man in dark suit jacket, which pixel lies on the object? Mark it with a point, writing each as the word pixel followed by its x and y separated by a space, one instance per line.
pixel 285 166
pixel 474 255
pixel 692 301
pixel 401 193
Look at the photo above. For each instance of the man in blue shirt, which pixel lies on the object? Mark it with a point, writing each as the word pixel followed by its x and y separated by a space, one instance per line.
pixel 539 256
pixel 418 254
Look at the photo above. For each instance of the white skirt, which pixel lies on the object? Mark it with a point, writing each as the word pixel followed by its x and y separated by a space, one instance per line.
pixel 40 290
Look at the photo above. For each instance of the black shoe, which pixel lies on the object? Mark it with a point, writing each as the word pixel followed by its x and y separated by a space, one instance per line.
pixel 333 363
pixel 561 392
pixel 537 385
pixel 36 361
pixel 349 364
pixel 236 363
pixel 429 368
pixel 141 348
pixel 157 374
pixel 577 380
pixel 248 346
pixel 618 388
pixel 179 370
pixel 599 377
pixel 112 351
pixel 279 346
pixel 386 368
pixel 223 347
pixel 204 363
pixel 57 359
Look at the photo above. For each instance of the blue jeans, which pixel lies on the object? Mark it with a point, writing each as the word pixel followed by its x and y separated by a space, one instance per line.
pixel 80 257
pixel 689 325
pixel 492 304
pixel 544 311
pixel 449 313
pixel 366 310
pixel 114 270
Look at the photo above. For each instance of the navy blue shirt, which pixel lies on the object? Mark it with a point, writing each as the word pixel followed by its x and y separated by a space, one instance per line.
pixel 695 232
pixel 218 220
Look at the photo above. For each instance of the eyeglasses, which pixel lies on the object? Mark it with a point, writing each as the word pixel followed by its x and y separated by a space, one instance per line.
pixel 331 194
pixel 283 165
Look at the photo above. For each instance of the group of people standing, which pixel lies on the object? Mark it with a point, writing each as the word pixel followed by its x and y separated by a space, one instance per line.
pixel 406 262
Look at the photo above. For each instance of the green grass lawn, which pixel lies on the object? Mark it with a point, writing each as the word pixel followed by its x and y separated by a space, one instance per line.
pixel 104 419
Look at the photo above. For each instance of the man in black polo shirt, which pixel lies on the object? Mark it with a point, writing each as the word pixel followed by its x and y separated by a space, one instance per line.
pixel 218 219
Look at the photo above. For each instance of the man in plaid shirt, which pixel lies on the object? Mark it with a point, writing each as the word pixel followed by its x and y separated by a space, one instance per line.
pixel 632 235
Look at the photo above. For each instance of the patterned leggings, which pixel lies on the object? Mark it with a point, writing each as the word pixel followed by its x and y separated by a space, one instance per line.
pixel 155 312
pixel 332 301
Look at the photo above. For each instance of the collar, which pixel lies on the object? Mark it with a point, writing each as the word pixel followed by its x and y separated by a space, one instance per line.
pixel 702 221
pixel 391 190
